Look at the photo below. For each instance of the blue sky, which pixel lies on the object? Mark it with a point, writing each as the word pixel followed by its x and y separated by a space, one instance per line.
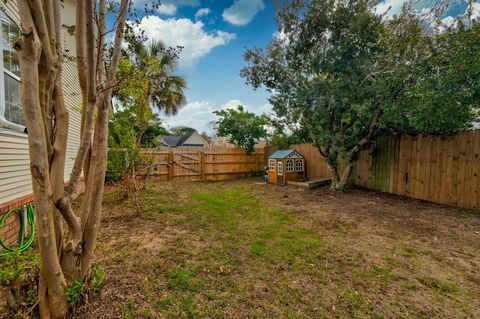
pixel 215 34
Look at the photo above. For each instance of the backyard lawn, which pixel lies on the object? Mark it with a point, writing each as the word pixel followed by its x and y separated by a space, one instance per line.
pixel 243 249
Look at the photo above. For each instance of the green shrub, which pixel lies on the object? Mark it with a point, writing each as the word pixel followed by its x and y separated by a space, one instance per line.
pixel 74 292
pixel 116 165
pixel 19 274
pixel 97 277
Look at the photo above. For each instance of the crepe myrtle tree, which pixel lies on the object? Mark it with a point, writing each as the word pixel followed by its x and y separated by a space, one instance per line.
pixel 242 128
pixel 345 75
pixel 66 256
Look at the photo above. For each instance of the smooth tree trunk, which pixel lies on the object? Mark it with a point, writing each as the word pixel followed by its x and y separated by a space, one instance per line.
pixel 66 257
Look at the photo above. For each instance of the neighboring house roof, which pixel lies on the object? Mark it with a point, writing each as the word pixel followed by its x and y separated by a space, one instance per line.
pixel 170 140
pixel 183 140
pixel 286 154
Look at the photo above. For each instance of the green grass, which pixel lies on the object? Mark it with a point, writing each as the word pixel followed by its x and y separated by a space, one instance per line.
pixel 441 286
pixel 240 236
pixel 226 251
pixel 271 234
pixel 470 211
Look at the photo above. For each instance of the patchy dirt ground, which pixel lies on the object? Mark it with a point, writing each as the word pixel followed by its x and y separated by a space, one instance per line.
pixel 243 249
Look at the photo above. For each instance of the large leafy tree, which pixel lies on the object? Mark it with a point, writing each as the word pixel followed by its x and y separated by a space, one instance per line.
pixel 342 74
pixel 242 128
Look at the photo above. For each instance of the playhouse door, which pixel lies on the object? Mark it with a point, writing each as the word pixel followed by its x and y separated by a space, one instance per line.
pixel 280 173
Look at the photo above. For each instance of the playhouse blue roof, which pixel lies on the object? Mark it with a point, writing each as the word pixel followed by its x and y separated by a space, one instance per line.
pixel 284 154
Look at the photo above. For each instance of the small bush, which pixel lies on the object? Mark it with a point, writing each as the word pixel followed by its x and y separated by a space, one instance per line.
pixel 116 165
pixel 19 274
pixel 97 277
pixel 74 292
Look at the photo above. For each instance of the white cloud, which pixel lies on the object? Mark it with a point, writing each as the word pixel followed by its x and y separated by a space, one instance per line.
pixel 196 41
pixel 242 11
pixel 390 7
pixel 262 109
pixel 451 22
pixel 202 12
pixel 167 9
pixel 199 114
pixel 196 114
pixel 179 3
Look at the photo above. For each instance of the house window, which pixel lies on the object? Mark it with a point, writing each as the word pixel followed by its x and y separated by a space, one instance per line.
pixel 280 168
pixel 271 165
pixel 289 166
pixel 299 165
pixel 11 113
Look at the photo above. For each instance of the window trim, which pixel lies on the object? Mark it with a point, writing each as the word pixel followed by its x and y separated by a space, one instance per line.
pixel 301 164
pixel 4 123
pixel 270 166
pixel 292 167
pixel 280 167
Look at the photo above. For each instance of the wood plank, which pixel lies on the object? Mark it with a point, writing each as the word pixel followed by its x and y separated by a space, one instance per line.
pixel 414 167
pixel 455 170
pixel 434 184
pixel 444 171
pixel 401 166
pixel 476 170
pixel 427 167
pixel 187 155
pixel 461 159
pixel 408 164
pixel 449 173
pixel 469 171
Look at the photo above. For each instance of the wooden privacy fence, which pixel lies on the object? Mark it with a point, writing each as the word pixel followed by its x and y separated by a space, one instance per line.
pixel 438 169
pixel 208 164
pixel 443 170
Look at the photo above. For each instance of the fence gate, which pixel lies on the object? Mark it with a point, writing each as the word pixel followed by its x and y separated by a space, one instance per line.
pixel 213 164
pixel 185 164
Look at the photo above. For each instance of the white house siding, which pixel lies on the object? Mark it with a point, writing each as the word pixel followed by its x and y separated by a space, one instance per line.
pixel 15 181
pixel 71 87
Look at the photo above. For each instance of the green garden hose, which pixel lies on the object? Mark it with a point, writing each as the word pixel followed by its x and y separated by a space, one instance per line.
pixel 22 244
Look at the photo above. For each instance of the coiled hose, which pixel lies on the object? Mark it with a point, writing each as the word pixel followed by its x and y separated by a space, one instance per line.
pixel 22 244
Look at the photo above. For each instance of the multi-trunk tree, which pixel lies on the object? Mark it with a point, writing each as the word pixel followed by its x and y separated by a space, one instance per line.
pixel 66 256
pixel 345 75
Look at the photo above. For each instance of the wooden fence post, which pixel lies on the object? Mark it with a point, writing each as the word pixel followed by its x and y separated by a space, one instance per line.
pixel 201 158
pixel 171 165
pixel 258 162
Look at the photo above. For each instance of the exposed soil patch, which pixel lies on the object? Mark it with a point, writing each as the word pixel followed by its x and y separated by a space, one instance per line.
pixel 241 249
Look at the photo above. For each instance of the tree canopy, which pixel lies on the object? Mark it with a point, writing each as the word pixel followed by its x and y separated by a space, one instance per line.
pixel 343 74
pixel 181 130
pixel 242 128
pixel 146 84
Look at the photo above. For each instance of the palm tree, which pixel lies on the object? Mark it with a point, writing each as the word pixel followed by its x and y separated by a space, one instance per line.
pixel 146 82
pixel 163 90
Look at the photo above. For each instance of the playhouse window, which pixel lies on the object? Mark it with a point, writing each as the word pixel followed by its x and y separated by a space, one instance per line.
pixel 280 168
pixel 271 165
pixel 299 165
pixel 289 166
